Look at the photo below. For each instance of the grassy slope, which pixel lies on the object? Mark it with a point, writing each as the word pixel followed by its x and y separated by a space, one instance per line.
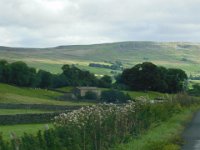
pixel 171 54
pixel 162 134
pixel 20 129
pixel 12 94
pixel 37 93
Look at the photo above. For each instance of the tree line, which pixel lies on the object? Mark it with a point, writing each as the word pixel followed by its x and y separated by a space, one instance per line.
pixel 149 77
pixel 142 77
pixel 112 67
pixel 20 74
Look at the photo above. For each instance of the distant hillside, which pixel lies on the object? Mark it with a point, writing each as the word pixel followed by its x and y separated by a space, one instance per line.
pixel 170 54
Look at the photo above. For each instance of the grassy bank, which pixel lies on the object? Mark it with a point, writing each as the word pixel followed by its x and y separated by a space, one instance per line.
pixel 165 136
pixel 18 95
pixel 19 130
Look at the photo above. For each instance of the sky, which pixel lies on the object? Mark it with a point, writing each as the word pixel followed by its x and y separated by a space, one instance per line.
pixel 49 23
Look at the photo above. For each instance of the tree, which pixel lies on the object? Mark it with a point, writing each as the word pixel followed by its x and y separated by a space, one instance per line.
pixel 20 74
pixel 32 77
pixel 45 79
pixel 147 76
pixel 59 80
pixel 105 81
pixel 77 77
pixel 3 66
pixel 142 76
pixel 175 79
pixel 72 74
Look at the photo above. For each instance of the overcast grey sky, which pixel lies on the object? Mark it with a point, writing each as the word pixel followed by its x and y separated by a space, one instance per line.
pixel 44 23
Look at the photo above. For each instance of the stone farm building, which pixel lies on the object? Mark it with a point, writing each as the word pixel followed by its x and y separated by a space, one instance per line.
pixel 81 91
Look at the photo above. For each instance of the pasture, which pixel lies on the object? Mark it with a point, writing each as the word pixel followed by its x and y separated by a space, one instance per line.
pixel 19 130
pixel 16 95
pixel 26 97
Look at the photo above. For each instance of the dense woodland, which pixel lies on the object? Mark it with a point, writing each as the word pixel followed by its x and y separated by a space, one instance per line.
pixel 145 77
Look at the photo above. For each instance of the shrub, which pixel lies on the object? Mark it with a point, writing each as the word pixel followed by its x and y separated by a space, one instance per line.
pixel 114 96
pixel 90 95
pixel 195 91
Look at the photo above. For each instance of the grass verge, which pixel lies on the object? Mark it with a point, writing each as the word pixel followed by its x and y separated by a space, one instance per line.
pixel 165 136
pixel 19 130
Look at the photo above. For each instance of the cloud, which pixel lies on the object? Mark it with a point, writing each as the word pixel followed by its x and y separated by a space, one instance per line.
pixel 44 23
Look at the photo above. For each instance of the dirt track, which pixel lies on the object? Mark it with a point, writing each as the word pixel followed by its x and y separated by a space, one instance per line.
pixel 192 134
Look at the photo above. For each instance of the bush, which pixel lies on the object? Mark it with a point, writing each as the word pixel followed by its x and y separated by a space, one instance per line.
pixel 195 91
pixel 114 96
pixel 91 95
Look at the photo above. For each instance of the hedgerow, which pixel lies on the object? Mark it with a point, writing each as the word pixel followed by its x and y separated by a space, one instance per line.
pixel 102 126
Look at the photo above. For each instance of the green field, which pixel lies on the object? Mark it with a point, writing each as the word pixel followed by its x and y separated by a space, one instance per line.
pixel 182 55
pixel 20 129
pixel 31 92
pixel 22 111
pixel 16 95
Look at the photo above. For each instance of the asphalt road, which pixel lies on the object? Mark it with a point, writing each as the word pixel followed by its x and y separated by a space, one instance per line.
pixel 192 134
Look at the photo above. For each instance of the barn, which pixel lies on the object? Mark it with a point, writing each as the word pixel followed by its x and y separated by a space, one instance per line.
pixel 81 91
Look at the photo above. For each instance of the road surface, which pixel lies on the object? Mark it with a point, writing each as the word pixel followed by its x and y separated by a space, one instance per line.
pixel 192 134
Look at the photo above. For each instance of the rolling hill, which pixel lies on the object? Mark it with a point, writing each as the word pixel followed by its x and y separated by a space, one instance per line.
pixel 183 55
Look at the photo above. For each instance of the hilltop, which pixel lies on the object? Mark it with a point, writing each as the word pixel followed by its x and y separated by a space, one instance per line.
pixel 182 55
